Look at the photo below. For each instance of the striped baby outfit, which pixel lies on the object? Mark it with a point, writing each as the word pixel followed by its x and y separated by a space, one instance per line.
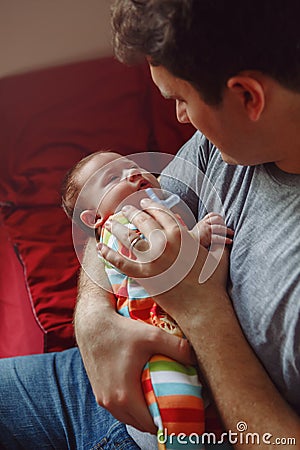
pixel 172 390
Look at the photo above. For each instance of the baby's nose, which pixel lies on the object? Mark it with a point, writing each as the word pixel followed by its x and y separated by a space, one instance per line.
pixel 133 174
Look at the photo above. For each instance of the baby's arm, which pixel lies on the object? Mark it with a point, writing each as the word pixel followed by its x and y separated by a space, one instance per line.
pixel 213 230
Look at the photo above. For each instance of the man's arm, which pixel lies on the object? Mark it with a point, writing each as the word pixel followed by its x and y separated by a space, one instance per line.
pixel 239 384
pixel 243 391
pixel 115 349
pixel 241 388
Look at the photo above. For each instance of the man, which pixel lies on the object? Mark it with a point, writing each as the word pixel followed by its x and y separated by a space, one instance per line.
pixel 234 70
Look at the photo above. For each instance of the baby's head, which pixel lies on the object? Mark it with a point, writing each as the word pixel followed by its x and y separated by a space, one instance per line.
pixel 108 179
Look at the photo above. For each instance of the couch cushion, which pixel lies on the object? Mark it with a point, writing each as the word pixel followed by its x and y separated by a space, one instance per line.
pixel 20 333
pixel 51 119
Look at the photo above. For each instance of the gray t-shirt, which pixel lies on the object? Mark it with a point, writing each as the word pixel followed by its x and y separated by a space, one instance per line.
pixel 262 204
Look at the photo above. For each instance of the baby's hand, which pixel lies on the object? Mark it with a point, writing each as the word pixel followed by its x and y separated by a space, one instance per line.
pixel 212 230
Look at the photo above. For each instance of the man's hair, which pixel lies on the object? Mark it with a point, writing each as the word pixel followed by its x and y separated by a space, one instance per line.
pixel 205 42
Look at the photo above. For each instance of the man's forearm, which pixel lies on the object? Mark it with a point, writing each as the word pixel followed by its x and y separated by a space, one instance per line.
pixel 241 388
pixel 95 299
pixel 114 349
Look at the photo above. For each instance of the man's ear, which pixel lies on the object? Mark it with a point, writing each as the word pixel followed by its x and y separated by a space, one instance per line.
pixel 90 219
pixel 250 93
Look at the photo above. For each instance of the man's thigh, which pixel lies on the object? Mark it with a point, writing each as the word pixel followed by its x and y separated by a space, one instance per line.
pixel 46 402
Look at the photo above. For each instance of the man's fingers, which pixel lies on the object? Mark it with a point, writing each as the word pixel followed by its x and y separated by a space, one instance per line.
pixel 125 265
pixel 139 415
pixel 154 216
pixel 176 348
pixel 141 219
pixel 123 234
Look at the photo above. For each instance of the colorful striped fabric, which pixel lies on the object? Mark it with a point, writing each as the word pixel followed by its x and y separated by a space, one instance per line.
pixel 172 390
pixel 173 395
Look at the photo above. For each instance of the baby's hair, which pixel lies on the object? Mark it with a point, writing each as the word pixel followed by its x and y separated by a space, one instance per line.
pixel 71 187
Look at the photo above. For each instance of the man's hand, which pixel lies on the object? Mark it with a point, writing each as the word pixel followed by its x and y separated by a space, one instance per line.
pixel 115 349
pixel 199 303
pixel 176 265
pixel 114 352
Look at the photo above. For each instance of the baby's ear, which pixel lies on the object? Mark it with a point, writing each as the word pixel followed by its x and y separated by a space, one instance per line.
pixel 90 219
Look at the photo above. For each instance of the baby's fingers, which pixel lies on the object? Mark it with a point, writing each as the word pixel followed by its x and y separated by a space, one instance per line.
pixel 213 218
pixel 221 230
pixel 217 239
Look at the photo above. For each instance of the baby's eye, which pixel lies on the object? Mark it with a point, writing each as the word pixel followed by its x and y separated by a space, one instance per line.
pixel 113 178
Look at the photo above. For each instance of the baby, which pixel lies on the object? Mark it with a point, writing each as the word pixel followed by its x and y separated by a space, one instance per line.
pixel 172 390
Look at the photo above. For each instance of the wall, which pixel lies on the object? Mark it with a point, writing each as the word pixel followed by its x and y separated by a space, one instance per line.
pixel 41 33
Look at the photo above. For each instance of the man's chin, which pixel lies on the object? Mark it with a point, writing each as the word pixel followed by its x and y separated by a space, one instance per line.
pixel 240 161
pixel 229 159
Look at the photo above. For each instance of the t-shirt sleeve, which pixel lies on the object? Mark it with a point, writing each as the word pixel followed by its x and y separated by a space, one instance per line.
pixel 185 173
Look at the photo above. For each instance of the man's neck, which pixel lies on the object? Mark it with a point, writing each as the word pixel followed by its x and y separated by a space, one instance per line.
pixel 289 139
pixel 289 166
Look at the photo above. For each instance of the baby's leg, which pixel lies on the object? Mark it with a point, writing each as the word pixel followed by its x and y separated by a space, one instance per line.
pixel 173 395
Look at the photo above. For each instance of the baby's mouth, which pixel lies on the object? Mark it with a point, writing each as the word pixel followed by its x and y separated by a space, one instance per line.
pixel 144 184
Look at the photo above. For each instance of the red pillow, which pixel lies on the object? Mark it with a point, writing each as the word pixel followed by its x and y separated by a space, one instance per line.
pixel 19 331
pixel 42 240
pixel 51 119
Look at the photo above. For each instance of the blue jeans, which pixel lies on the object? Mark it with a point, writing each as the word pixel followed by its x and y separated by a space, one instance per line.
pixel 46 402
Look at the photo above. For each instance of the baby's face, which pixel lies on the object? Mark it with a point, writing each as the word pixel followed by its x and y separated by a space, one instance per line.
pixel 113 178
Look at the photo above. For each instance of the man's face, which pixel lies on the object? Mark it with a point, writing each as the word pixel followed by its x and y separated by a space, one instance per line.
pixel 225 125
